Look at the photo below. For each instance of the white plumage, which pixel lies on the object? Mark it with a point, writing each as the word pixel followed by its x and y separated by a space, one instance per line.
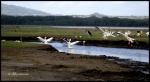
pixel 105 33
pixel 45 41
pixel 69 43
pixel 131 40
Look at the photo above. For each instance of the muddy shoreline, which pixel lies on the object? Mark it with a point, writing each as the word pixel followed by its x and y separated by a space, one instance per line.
pixel 45 63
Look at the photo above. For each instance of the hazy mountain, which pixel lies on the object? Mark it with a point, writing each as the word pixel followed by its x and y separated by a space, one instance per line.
pixel 98 15
pixel 20 11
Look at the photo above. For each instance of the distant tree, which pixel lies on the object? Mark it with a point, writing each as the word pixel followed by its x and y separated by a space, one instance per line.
pixel 71 21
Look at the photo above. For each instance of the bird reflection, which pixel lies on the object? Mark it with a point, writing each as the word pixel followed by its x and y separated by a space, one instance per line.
pixel 69 50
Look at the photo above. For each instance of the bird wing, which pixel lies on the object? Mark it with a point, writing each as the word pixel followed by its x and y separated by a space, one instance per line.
pixel 127 37
pixel 72 43
pixel 41 39
pixel 65 40
pixel 96 27
pixel 132 38
pixel 50 39
pixel 100 29
pixel 121 34
pixel 113 35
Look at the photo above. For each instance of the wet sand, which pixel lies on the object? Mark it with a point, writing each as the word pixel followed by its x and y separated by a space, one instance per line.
pixel 46 64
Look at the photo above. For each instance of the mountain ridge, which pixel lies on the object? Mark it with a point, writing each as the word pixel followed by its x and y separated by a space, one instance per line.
pixel 20 11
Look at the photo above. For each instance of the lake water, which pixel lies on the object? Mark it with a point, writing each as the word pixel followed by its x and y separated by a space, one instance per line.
pixel 123 53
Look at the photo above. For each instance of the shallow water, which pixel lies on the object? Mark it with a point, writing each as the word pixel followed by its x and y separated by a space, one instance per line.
pixel 123 53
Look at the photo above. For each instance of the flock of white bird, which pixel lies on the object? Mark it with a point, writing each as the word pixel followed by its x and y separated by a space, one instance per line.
pixel 106 34
pixel 126 35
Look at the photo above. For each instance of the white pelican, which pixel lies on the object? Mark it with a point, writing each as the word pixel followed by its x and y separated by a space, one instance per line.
pixel 45 41
pixel 105 33
pixel 3 40
pixel 19 40
pixel 147 33
pixel 83 42
pixel 128 38
pixel 80 36
pixel 127 33
pixel 139 33
pixel 76 36
pixel 69 43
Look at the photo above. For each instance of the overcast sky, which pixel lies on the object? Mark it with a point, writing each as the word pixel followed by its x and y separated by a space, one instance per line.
pixel 111 8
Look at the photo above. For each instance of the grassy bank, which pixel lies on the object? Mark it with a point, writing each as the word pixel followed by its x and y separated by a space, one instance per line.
pixel 12 44
pixel 41 62
pixel 34 31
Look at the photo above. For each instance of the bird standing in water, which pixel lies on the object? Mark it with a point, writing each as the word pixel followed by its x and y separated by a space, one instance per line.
pixel 69 43
pixel 45 41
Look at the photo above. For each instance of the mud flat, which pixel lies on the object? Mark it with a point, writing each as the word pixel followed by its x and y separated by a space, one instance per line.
pixel 45 63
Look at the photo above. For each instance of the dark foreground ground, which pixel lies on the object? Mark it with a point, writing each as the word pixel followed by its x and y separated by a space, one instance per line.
pixel 46 64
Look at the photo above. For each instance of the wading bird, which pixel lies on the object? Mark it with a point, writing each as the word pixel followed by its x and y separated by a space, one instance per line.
pixel 89 33
pixel 45 41
pixel 105 33
pixel 131 40
pixel 3 40
pixel 83 42
pixel 69 43
pixel 19 40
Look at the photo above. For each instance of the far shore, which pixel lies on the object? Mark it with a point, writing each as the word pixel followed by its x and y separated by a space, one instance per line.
pixel 106 27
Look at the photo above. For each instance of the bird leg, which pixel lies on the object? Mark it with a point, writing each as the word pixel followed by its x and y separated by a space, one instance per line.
pixel 131 45
pixel 136 42
pixel 128 42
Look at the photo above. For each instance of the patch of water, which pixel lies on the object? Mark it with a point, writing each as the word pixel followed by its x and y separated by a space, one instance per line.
pixel 133 54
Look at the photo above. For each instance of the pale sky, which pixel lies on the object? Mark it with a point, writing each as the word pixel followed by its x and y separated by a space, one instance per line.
pixel 111 8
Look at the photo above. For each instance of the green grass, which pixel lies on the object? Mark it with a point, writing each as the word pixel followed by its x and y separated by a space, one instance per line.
pixel 17 45
pixel 34 31
pixel 12 44
pixel 27 32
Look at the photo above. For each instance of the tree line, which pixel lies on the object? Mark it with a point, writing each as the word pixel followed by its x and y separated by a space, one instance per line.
pixel 73 21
